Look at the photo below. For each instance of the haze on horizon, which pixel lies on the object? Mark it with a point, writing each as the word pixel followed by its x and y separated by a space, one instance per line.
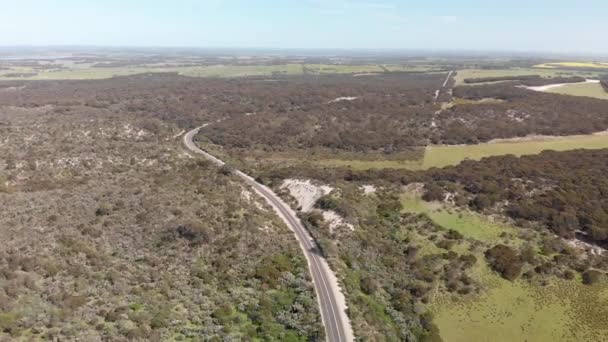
pixel 556 26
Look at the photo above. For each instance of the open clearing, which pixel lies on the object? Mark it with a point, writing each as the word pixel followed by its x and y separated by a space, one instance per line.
pixel 445 155
pixel 469 224
pixel 516 311
pixel 440 156
pixel 586 65
pixel 511 311
pixel 581 89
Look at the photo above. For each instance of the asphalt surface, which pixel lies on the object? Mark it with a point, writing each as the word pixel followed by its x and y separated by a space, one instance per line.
pixel 336 322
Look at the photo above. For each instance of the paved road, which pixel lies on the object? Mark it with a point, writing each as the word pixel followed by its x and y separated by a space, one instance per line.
pixel 331 300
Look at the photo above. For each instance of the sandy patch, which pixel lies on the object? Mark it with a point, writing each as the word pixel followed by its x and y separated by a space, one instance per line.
pixel 557 85
pixel 12 89
pixel 368 189
pixel 367 74
pixel 414 188
pixel 586 247
pixel 343 98
pixel 335 220
pixel 305 193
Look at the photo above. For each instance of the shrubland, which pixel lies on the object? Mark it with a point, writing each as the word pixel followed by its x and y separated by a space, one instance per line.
pixel 112 231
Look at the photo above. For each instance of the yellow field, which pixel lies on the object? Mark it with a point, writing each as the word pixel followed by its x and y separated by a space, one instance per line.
pixel 595 65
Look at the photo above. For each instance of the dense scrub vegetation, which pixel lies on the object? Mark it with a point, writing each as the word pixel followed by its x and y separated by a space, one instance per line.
pixel 384 113
pixel 391 264
pixel 389 113
pixel 564 191
pixel 522 112
pixel 111 232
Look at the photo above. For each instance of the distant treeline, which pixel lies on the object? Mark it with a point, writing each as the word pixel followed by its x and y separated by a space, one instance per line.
pixel 604 83
pixel 528 80
pixel 21 74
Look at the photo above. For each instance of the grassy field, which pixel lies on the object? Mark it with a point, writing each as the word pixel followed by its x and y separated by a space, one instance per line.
pixel 440 156
pixel 206 71
pixel 467 223
pixel 517 311
pixel 582 89
pixel 79 72
pixel 511 311
pixel 586 65
pixel 445 155
pixel 543 72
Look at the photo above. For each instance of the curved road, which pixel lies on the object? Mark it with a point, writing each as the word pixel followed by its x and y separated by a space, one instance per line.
pixel 331 300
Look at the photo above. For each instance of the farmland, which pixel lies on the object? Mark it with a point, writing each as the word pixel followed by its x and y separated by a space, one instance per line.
pixel 444 155
pixel 586 89
pixel 84 71
pixel 577 65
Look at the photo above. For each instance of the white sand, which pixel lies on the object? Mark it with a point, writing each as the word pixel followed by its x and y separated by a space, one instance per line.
pixel 557 85
pixel 343 98
pixel 305 192
pixel 368 189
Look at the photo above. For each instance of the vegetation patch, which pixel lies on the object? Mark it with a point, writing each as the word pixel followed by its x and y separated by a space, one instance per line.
pixel 505 309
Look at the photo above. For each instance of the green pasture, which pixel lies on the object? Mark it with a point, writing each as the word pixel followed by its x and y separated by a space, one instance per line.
pixel 446 155
pixel 582 89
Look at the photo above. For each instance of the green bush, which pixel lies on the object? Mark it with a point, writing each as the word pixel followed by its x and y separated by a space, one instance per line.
pixel 593 277
pixel 504 260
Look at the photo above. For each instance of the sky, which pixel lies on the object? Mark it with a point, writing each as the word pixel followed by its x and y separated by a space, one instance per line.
pixel 559 26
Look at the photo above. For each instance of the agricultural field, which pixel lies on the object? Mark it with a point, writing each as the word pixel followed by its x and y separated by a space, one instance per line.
pixel 87 71
pixel 445 155
pixel 584 89
pixel 582 65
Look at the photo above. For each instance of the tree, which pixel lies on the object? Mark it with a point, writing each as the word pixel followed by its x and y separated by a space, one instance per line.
pixel 226 170
pixel 592 277
pixel 504 260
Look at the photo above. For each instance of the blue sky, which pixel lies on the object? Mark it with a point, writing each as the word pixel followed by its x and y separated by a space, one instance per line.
pixel 574 26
